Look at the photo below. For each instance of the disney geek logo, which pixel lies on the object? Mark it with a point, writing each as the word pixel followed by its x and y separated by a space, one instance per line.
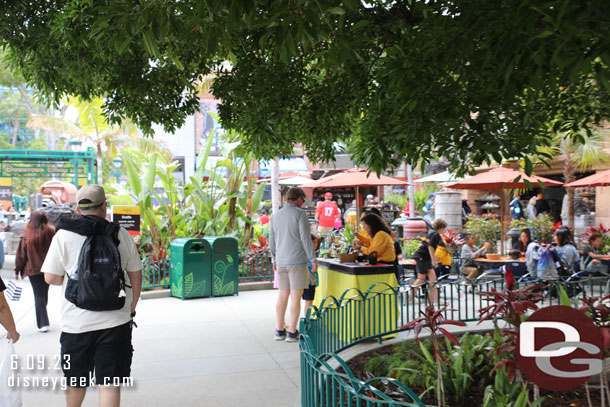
pixel 559 348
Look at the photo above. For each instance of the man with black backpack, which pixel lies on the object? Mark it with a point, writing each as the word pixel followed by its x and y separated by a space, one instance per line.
pixel 98 264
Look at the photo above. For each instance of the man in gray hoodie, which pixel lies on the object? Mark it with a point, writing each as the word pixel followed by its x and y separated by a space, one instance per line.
pixel 291 250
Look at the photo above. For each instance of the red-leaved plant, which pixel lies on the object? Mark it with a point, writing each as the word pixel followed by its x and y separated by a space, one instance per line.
pixel 509 305
pixel 598 309
pixel 433 319
pixel 259 255
pixel 604 247
pixel 452 239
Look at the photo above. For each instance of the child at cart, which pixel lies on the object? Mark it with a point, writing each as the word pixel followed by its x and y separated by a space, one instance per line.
pixel 310 292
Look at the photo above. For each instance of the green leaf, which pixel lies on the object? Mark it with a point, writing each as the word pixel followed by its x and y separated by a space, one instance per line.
pixel 337 11
pixel 545 34
pixel 563 296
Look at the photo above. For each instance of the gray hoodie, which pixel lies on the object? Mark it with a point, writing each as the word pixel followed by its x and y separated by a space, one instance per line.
pixel 290 238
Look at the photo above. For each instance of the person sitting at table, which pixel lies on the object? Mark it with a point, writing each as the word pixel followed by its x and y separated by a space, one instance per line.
pixel 592 255
pixel 425 258
pixel 566 249
pixel 525 238
pixel 444 257
pixel 361 234
pixel 469 253
pixel 380 241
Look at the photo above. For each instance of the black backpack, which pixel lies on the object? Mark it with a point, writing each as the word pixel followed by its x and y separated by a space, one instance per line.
pixel 99 281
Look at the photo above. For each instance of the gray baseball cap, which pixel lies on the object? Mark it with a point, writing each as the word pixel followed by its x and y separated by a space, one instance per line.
pixel 90 196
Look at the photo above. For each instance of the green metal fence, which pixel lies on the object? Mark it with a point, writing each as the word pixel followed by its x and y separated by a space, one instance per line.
pixel 255 267
pixel 155 273
pixel 379 314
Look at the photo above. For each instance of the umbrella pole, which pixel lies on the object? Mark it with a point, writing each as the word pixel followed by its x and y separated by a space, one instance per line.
pixel 357 209
pixel 502 206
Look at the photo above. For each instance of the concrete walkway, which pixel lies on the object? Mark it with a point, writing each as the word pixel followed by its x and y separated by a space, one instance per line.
pixel 202 352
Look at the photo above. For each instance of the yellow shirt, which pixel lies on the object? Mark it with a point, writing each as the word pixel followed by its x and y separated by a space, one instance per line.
pixel 364 237
pixel 383 244
pixel 443 255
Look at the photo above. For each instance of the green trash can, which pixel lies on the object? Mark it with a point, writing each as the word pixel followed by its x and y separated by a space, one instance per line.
pixel 190 272
pixel 225 265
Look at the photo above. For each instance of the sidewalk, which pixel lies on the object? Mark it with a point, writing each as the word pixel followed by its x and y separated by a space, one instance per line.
pixel 202 352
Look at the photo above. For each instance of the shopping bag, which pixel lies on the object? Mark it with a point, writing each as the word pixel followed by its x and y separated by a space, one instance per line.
pixel 13 291
pixel 276 282
pixel 10 393
pixel 545 268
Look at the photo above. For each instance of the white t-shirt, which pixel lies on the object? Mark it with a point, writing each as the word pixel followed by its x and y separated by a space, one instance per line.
pixel 62 260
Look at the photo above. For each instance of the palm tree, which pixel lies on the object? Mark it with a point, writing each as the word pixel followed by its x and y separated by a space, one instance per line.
pixel 579 155
pixel 91 125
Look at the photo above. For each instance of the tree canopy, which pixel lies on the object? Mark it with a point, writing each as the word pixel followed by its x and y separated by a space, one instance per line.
pixel 467 79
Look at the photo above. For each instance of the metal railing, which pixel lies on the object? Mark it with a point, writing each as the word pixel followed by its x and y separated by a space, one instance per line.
pixel 155 273
pixel 379 313
pixel 255 267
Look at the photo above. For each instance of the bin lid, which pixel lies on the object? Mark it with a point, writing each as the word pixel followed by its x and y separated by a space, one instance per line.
pixel 223 244
pixel 187 244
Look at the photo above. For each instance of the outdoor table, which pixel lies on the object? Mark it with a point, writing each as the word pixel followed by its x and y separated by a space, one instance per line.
pixel 606 261
pixel 334 278
pixel 487 264
pixel 408 264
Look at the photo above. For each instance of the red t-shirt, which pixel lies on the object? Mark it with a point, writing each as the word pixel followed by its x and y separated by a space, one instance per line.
pixel 327 213
pixel 264 219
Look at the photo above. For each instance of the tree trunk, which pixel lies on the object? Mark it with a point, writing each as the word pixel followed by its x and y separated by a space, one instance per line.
pixel 15 128
pixel 411 191
pixel 569 171
pixel 100 173
pixel 275 173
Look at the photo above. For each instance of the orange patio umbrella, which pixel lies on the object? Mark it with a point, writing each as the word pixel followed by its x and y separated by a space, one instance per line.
pixel 500 179
pixel 601 179
pixel 353 178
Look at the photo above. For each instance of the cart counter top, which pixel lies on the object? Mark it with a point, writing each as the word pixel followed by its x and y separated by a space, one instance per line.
pixel 354 268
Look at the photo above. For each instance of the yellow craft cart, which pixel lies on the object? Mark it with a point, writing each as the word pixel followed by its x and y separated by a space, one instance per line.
pixel 381 312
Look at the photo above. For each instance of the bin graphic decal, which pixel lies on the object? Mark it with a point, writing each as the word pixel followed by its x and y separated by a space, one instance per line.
pixel 220 273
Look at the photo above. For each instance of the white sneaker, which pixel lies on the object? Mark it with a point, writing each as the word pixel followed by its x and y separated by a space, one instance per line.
pixel 44 329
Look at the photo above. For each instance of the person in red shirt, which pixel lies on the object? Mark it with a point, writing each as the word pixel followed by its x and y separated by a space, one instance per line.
pixel 326 214
pixel 264 219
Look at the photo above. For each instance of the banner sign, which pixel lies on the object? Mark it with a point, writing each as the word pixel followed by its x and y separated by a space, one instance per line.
pixel 11 169
pixel 128 216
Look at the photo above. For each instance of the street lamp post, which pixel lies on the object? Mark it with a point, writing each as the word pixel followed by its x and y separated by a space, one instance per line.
pixel 75 145
pixel 117 164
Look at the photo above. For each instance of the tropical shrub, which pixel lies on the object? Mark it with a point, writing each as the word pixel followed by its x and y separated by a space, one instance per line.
pixel 484 230
pixel 542 227
pixel 409 247
pixel 221 205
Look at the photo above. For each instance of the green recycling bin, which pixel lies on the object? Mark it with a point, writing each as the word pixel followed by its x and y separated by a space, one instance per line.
pixel 225 265
pixel 190 272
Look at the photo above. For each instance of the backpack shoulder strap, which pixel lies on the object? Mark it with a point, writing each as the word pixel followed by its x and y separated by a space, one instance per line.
pixel 112 230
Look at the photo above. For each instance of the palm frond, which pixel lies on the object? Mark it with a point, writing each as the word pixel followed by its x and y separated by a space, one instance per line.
pixel 57 125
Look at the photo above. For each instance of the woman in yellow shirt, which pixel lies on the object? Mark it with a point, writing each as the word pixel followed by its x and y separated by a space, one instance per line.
pixel 380 240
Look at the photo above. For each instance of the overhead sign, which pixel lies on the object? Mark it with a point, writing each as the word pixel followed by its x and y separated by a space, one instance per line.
pixel 127 216
pixel 10 169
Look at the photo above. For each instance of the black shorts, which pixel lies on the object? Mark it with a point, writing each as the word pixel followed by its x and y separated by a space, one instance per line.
pixel 309 293
pixel 105 352
pixel 423 265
